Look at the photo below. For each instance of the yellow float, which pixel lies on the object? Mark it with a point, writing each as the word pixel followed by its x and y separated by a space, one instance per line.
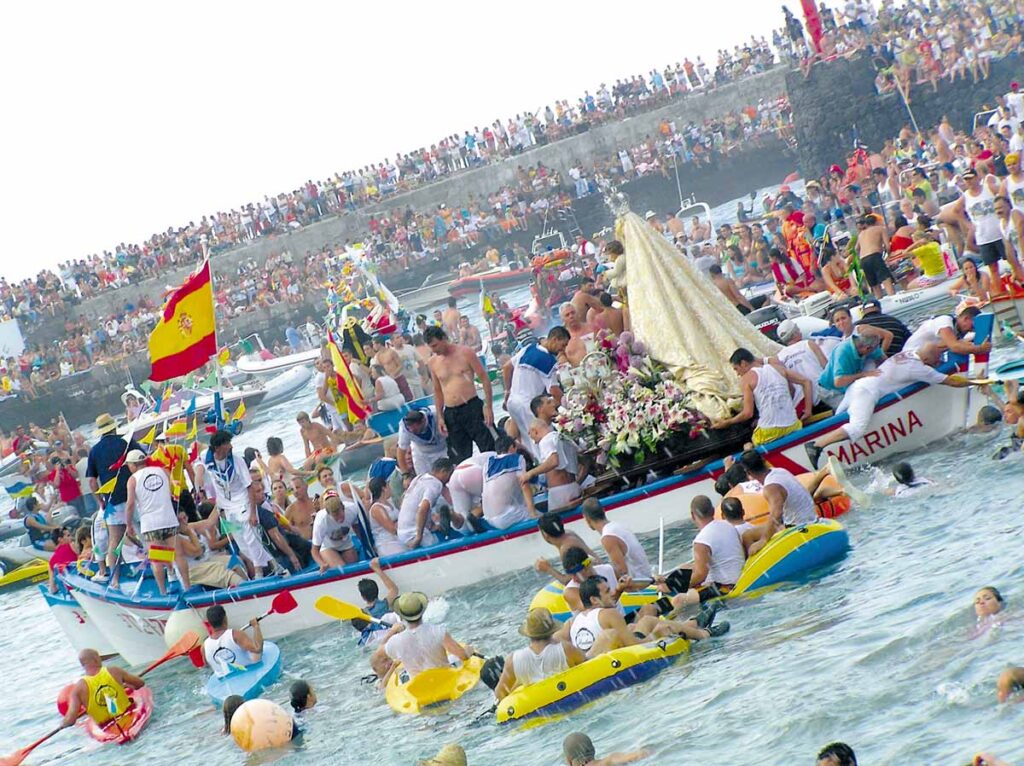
pixel 594 678
pixel 431 687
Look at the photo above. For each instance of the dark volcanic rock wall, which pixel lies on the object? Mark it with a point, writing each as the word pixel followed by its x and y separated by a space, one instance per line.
pixel 839 98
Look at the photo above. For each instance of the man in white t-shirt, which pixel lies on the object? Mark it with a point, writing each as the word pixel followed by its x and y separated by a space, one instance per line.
pixel 1015 102
pixel 505 499
pixel 945 331
pixel 558 461
pixel 417 645
pixel 789 502
pixel 624 550
pixel 804 356
pixel 226 481
pixel 530 373
pixel 904 369
pixel 718 555
pixel 415 518
pixel 420 442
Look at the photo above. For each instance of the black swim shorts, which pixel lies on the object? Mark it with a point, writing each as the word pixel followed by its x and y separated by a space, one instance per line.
pixel 875 269
pixel 992 252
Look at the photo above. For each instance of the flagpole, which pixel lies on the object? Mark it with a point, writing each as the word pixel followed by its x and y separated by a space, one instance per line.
pixel 221 416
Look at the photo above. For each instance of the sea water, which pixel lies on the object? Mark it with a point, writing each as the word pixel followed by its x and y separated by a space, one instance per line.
pixel 876 652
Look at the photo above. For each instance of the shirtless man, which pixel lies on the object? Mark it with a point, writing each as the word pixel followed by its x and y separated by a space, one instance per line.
pixel 465 419
pixel 871 238
pixel 317 440
pixel 579 334
pixel 607 317
pixel 585 298
pixel 450 320
pixel 300 511
pixel 278 464
pixel 469 336
pixel 389 359
pixel 729 289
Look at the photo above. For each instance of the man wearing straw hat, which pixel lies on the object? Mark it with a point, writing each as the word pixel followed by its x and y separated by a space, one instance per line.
pixel 543 658
pixel 419 646
pixel 105 464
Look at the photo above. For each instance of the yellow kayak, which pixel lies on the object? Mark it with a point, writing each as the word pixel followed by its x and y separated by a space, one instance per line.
pixel 431 687
pixel 34 571
pixel 594 678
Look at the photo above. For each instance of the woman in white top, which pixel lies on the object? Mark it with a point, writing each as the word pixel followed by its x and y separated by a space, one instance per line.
pixel 385 390
pixel 383 519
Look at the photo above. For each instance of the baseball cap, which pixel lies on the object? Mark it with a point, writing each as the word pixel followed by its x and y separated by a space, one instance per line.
pixel 787 330
pixel 871 303
pixel 135 456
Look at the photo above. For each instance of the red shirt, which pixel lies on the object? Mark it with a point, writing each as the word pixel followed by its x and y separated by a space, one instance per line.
pixel 67 484
pixel 63 556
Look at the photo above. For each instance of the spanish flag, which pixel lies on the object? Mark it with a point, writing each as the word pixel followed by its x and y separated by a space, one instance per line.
pixel 347 386
pixel 161 553
pixel 184 339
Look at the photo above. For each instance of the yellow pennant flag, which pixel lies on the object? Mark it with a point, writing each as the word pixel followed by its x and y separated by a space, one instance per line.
pixel 240 412
pixel 149 437
pixel 107 487
pixel 194 431
pixel 177 428
pixel 224 356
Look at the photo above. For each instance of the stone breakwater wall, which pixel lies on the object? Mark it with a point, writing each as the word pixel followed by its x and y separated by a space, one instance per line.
pixel 839 102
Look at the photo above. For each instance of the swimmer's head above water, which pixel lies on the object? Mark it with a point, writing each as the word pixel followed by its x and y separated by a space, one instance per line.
pixel 988 601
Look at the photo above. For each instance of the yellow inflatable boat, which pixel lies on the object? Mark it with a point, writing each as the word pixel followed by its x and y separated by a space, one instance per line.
pixel 431 687
pixel 592 679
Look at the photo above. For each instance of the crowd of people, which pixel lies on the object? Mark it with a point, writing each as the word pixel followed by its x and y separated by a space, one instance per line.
pixel 120 336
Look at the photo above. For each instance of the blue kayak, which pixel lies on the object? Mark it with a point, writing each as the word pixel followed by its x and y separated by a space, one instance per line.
pixel 247 682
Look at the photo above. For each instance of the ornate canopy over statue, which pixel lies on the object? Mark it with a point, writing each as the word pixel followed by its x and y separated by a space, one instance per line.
pixel 685 322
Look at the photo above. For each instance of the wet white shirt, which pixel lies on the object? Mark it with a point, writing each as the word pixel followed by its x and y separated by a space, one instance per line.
pixel 419 648
pixel 727 554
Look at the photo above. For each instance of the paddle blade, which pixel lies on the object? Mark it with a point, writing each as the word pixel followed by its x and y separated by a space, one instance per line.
pixel 16 758
pixel 434 685
pixel 283 603
pixel 341 610
pixel 184 645
pixel 197 658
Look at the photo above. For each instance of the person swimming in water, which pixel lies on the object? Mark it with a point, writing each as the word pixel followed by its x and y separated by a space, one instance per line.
pixel 836 754
pixel 989 605
pixel 302 696
pixel 907 482
pixel 231 704
pixel 1009 683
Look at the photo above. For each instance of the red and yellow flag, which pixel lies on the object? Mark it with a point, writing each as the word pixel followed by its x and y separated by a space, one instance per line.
pixel 161 553
pixel 184 339
pixel 347 386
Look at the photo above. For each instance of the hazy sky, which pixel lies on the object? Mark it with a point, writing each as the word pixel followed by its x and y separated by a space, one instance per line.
pixel 126 118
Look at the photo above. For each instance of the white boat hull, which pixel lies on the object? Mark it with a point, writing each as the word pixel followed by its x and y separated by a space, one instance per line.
pixel 285 385
pixel 904 422
pixel 79 629
pixel 901 303
pixel 261 367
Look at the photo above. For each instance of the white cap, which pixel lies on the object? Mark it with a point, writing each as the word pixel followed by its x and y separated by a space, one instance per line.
pixel 649 215
pixel 135 456
pixel 787 330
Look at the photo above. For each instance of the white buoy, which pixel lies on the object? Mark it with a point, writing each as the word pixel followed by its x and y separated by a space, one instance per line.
pixel 181 622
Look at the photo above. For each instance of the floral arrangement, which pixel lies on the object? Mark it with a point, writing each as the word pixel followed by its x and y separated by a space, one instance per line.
pixel 622 404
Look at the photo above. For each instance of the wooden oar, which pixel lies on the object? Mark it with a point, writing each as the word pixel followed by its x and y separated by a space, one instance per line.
pixel 183 645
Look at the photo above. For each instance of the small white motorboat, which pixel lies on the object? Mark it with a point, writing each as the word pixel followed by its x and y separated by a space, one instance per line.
pixel 287 384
